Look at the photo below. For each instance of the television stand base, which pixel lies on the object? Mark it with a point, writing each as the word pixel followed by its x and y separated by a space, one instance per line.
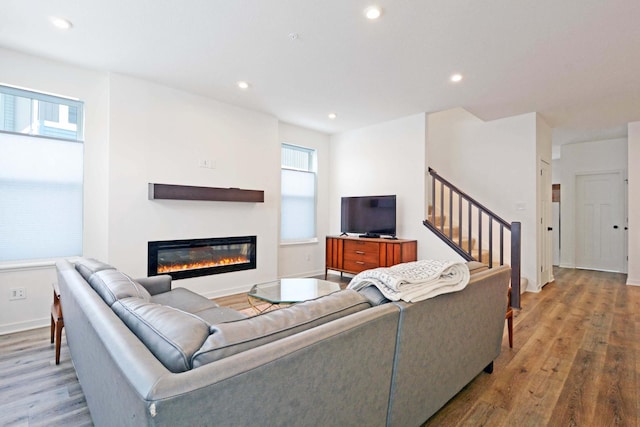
pixel 369 236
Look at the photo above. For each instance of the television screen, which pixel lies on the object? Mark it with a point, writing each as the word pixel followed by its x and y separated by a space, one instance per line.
pixel 370 216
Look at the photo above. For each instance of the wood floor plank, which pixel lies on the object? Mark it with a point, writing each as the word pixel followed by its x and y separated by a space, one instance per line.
pixel 616 404
pixel 549 365
pixel 521 370
pixel 485 414
pixel 33 389
pixel 466 399
pixel 576 402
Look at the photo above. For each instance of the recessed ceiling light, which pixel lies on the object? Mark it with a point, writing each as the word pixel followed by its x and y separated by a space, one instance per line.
pixel 332 115
pixel 456 77
pixel 243 85
pixel 373 12
pixel 61 23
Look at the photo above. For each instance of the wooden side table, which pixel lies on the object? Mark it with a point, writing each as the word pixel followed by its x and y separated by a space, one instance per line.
pixel 57 323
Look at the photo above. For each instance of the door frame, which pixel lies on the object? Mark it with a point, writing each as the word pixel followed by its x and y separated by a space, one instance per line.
pixel 544 220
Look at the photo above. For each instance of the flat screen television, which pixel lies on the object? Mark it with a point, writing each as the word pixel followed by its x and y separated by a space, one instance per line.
pixel 369 216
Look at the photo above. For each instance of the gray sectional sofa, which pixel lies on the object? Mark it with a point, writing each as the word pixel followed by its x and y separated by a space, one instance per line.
pixel 149 354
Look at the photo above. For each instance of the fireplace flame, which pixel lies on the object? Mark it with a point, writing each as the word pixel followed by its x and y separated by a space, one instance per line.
pixel 202 264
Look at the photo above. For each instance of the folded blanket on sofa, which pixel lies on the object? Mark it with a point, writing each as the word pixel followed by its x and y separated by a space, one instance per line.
pixel 415 281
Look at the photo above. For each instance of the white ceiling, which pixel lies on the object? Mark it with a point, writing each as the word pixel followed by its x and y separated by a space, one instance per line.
pixel 577 62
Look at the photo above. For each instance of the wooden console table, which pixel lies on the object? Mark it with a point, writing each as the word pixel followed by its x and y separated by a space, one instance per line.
pixel 352 255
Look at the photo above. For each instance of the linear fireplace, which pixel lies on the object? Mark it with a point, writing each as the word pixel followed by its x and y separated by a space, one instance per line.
pixel 200 257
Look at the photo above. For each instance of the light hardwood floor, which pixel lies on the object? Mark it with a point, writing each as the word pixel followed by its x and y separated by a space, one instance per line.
pixel 575 362
pixel 33 390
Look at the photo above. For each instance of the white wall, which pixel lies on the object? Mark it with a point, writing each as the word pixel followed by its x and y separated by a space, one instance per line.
pixel 494 162
pixel 158 135
pixel 308 259
pixel 36 277
pixel 138 132
pixel 633 274
pixel 387 158
pixel 585 157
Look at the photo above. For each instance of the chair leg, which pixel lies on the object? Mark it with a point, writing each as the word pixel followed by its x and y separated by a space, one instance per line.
pixel 509 317
pixel 53 327
pixel 59 326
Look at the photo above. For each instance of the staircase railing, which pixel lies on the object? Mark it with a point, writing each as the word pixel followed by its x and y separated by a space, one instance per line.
pixel 475 221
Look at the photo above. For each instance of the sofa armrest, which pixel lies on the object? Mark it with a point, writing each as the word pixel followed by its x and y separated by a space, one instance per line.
pixel 156 284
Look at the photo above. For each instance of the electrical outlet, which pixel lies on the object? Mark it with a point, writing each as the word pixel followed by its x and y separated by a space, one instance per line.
pixel 207 163
pixel 17 293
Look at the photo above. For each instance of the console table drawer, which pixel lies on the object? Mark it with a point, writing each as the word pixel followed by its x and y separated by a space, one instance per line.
pixel 371 257
pixel 358 266
pixel 357 250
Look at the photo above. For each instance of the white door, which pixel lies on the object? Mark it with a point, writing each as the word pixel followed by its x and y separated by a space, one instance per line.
pixel 600 221
pixel 546 228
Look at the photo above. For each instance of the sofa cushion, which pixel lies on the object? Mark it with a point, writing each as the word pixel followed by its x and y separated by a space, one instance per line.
pixel 185 300
pixel 113 285
pixel 87 266
pixel 170 334
pixel 234 337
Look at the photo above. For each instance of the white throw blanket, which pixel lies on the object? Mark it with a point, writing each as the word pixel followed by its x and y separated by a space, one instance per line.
pixel 415 281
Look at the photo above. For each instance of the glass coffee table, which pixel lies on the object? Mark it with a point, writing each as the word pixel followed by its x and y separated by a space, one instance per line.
pixel 267 296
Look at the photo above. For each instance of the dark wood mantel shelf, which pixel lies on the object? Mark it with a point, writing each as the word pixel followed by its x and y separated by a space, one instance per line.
pixel 187 192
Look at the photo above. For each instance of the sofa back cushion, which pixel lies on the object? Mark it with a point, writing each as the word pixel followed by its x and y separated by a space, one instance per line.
pixel 170 334
pixel 234 337
pixel 113 285
pixel 87 266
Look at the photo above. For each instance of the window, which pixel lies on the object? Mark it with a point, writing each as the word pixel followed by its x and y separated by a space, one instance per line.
pixel 298 192
pixel 41 170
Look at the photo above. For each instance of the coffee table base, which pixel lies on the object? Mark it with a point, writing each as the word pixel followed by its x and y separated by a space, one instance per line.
pixel 262 306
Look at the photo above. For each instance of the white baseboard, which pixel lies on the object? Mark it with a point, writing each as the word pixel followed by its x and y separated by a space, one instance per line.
pixel 242 289
pixel 633 282
pixel 11 328
pixel 306 274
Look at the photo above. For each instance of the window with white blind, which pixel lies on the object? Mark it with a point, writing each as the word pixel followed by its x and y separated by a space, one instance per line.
pixel 41 175
pixel 298 193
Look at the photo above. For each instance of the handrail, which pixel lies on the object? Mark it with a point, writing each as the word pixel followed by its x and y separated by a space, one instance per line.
pixel 514 228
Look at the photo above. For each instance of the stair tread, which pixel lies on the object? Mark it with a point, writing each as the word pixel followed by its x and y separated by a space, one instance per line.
pixel 440 223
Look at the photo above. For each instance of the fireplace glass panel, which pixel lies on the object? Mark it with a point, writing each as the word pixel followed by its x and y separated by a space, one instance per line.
pixel 200 257
pixel 170 260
